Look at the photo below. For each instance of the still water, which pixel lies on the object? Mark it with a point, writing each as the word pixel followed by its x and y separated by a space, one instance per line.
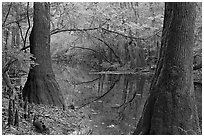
pixel 113 103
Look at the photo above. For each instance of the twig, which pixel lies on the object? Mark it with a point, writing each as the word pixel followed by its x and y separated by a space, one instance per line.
pixel 7 15
pixel 21 19
pixel 20 30
pixel 24 42
pixel 24 48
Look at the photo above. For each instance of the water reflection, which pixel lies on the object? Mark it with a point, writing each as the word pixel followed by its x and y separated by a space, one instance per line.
pixel 118 103
pixel 112 103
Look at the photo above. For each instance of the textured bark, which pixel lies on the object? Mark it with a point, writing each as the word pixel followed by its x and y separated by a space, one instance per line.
pixel 41 86
pixel 170 107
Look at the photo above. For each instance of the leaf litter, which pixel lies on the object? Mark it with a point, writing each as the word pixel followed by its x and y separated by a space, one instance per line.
pixel 57 120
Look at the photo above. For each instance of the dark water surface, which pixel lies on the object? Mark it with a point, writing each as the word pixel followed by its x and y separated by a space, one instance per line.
pixel 113 103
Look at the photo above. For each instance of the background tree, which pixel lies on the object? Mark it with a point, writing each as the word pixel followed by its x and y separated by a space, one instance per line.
pixel 41 86
pixel 170 107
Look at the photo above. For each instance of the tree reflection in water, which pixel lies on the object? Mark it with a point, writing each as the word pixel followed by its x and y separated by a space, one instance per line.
pixel 119 104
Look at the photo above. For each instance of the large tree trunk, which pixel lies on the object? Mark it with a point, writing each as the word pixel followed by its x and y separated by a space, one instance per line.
pixel 170 107
pixel 41 86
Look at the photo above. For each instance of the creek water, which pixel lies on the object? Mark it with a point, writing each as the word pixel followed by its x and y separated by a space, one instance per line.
pixel 113 103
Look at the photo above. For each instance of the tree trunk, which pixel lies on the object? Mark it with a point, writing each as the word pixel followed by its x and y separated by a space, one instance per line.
pixel 41 86
pixel 139 57
pixel 170 107
pixel 5 47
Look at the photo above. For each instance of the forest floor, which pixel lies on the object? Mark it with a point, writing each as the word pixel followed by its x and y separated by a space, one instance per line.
pixel 59 121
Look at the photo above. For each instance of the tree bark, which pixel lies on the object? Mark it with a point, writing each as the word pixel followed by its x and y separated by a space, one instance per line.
pixel 41 86
pixel 170 107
